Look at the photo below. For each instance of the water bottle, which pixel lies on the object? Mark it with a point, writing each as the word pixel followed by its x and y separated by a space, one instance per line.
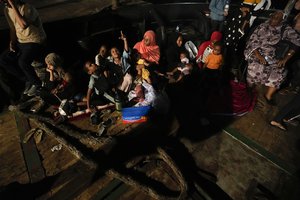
pixel 269 61
pixel 118 102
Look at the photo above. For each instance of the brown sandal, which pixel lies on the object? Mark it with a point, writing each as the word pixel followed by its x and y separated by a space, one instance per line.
pixel 278 125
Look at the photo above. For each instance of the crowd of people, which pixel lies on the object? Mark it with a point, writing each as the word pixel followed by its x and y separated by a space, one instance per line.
pixel 136 76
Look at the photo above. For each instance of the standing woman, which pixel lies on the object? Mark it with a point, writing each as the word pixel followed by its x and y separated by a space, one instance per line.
pixel 263 66
pixel 27 37
pixel 218 12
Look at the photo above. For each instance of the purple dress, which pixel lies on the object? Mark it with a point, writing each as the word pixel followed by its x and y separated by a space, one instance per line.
pixel 263 39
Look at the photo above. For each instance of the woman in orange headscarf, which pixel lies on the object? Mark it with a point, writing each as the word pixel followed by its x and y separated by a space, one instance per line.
pixel 148 48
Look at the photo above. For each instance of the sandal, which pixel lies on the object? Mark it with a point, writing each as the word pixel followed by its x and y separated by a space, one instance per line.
pixel 278 125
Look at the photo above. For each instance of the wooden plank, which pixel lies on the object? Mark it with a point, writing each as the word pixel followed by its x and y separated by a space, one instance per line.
pixel 32 159
pixel 261 150
pixel 118 192
pixel 113 185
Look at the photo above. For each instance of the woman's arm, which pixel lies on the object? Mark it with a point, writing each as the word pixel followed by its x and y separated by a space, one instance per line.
pixel 19 18
pixel 282 62
pixel 51 76
pixel 123 37
pixel 261 59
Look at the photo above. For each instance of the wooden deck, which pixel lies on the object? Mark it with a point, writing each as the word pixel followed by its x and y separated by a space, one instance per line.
pixel 224 164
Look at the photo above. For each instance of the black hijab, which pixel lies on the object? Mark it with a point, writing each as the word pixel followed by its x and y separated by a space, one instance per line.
pixel 173 50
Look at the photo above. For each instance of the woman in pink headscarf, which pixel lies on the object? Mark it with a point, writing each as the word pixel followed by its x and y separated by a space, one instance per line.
pixel 148 48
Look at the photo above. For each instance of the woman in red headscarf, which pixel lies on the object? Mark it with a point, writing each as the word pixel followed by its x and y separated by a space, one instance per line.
pixel 206 48
pixel 148 48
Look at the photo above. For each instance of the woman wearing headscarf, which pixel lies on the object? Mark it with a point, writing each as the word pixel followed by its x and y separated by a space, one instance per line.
pixel 263 66
pixel 148 48
pixel 207 47
pixel 174 49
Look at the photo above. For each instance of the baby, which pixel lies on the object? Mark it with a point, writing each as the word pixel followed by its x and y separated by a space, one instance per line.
pixel 141 64
pixel 185 68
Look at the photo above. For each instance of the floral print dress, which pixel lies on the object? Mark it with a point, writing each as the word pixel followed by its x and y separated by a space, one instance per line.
pixel 263 39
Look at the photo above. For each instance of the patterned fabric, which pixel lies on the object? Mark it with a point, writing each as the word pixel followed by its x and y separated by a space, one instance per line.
pixel 263 39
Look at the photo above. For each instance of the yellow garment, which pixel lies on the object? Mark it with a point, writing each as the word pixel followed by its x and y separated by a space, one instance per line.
pixel 145 73
pixel 252 1
pixel 34 33
pixel 140 62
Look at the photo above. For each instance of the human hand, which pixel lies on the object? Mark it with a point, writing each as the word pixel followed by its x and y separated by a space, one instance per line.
pixel 282 62
pixel 244 9
pixel 122 37
pixel 225 13
pixel 88 110
pixel 54 91
pixel 12 46
pixel 262 60
pixel 10 3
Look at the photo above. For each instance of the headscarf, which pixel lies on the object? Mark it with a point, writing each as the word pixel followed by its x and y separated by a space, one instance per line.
pixel 150 53
pixel 173 50
pixel 216 36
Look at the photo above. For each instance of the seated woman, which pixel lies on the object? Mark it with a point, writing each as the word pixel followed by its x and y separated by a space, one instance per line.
pixel 263 66
pixel 54 71
pixel 184 68
pixel 207 47
pixel 118 70
pixel 174 49
pixel 148 48
pixel 58 83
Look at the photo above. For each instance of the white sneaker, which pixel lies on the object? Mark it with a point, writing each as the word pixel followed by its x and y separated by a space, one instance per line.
pixel 27 87
pixel 33 90
pixel 38 106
